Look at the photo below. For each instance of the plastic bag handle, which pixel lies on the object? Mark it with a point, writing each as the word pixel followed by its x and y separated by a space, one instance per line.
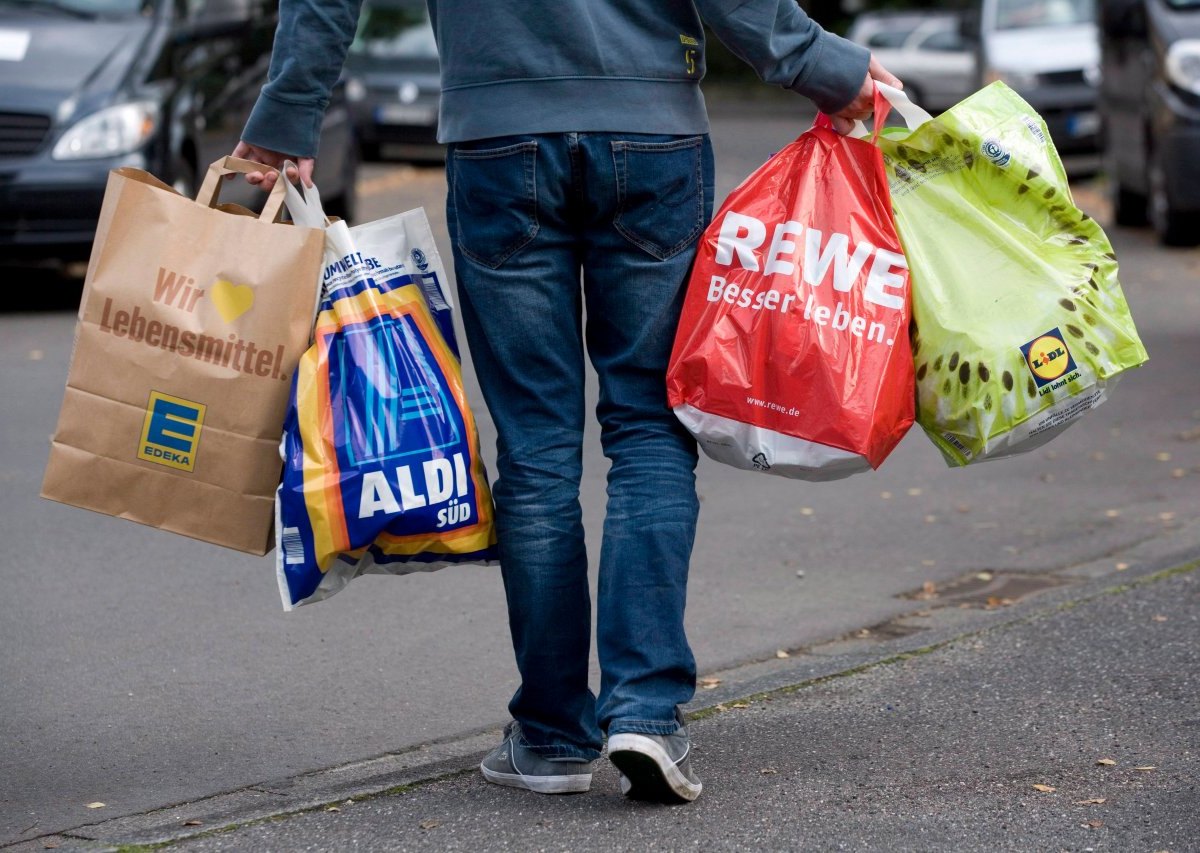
pixel 896 99
pixel 210 190
pixel 304 207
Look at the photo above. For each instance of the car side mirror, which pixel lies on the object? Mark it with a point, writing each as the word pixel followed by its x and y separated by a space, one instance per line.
pixel 1123 18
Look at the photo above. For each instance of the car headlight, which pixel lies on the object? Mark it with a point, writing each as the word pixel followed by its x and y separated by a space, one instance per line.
pixel 356 90
pixel 1018 80
pixel 1183 65
pixel 110 132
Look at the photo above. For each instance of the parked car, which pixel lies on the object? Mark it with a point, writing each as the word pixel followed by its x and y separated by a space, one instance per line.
pixel 1150 105
pixel 926 50
pixel 87 86
pixel 394 80
pixel 1049 52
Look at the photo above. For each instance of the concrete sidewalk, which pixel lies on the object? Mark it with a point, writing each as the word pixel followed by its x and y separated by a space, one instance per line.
pixel 890 739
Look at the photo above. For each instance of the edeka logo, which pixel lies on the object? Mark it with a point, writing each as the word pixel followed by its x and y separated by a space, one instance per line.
pixel 1048 357
pixel 171 431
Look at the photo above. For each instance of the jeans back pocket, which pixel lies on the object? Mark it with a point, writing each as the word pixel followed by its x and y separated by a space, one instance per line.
pixel 494 192
pixel 660 193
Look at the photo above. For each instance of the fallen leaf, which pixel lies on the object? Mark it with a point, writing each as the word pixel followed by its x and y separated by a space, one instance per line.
pixel 928 591
pixel 1106 762
pixel 1094 801
pixel 429 824
pixel 931 519
pixel 885 495
pixel 49 845
pixel 806 510
pixel 1146 769
pixel 708 682
pixel 740 705
pixel 1159 618
pixel 95 805
pixel 333 809
pixel 768 771
pixel 1190 435
pixel 983 576
pixel 1045 789
pixel 1163 457
pixel 863 633
pixel 36 355
pixel 1179 473
pixel 962 508
pixel 929 562
pixel 1122 567
pixel 348 803
pixel 1112 513
pixel 193 823
pixel 1099 456
pixel 1095 824
pixel 923 613
pixel 782 653
pixel 995 601
pixel 1166 516
pixel 914 492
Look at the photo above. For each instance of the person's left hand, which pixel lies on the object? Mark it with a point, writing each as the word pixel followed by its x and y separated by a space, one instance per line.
pixel 864 102
pixel 275 159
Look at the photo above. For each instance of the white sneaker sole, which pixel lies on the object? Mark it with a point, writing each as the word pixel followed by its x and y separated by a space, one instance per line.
pixel 648 770
pixel 573 784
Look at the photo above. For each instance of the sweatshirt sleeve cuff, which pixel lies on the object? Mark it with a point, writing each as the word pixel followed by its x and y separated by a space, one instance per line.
pixel 288 128
pixel 842 68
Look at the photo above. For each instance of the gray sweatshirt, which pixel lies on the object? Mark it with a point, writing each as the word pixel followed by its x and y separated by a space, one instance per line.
pixel 552 66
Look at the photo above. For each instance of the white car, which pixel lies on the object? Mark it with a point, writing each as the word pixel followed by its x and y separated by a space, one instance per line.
pixel 926 50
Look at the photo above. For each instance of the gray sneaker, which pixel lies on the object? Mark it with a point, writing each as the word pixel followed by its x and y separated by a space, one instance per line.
pixel 517 766
pixel 655 767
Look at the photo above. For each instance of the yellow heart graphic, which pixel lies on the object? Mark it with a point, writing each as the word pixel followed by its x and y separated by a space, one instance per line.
pixel 232 300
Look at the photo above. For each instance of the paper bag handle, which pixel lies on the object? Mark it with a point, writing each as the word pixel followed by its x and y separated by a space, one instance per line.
pixel 210 190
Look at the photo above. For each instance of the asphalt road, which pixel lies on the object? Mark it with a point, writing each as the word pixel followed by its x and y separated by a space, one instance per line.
pixel 937 751
pixel 143 669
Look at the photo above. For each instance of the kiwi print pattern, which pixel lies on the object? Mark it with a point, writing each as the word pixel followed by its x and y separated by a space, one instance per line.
pixel 1004 268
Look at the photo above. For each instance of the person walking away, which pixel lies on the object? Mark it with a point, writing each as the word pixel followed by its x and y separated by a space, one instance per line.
pixel 580 177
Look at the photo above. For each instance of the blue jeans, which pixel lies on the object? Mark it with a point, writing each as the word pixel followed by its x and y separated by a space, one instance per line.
pixel 530 218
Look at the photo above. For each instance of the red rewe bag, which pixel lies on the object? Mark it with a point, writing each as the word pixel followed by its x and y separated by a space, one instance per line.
pixel 792 354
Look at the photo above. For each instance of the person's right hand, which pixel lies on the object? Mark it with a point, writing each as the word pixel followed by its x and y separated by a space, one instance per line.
pixel 274 159
pixel 864 102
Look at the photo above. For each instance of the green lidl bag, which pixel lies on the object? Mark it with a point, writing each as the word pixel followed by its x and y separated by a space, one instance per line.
pixel 1019 322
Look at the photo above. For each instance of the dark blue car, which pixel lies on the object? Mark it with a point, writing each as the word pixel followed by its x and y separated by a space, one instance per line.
pixel 87 86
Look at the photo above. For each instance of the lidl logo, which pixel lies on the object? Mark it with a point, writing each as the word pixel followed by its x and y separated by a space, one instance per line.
pixel 1048 357
pixel 171 431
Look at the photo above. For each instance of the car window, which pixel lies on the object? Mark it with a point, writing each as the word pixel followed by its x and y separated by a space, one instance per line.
pixel 947 41
pixel 890 38
pixel 395 29
pixel 1021 14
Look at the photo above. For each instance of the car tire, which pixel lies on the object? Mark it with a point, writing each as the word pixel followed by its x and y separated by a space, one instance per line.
pixel 1174 227
pixel 371 152
pixel 183 178
pixel 344 205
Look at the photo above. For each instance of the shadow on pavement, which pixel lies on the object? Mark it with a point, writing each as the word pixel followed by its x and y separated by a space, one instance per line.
pixel 50 287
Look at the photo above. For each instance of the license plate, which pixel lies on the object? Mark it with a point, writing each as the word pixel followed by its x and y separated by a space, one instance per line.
pixel 405 114
pixel 1083 124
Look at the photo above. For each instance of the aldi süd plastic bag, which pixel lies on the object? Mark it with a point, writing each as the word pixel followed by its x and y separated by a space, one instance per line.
pixel 1020 323
pixel 792 354
pixel 382 472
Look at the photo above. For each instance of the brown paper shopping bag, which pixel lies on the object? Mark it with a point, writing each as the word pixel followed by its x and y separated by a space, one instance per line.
pixel 192 322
